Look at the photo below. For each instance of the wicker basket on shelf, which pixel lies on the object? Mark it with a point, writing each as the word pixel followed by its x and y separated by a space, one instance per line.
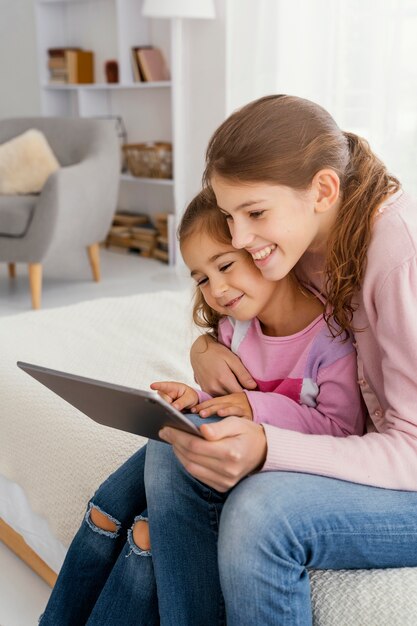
pixel 149 160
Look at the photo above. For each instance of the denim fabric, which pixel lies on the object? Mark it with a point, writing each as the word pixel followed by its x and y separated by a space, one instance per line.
pixel 268 531
pixel 96 558
pixel 184 519
pixel 106 579
pixel 273 527
pixel 129 596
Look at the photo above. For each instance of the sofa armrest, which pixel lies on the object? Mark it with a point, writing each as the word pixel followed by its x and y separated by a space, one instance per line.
pixel 84 198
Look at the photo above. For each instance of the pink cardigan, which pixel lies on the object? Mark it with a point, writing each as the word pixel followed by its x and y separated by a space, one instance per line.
pixel 386 456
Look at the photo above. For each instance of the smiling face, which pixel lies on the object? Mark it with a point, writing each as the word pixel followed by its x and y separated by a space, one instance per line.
pixel 274 223
pixel 228 279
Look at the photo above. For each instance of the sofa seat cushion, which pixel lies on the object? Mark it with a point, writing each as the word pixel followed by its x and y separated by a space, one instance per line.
pixel 15 214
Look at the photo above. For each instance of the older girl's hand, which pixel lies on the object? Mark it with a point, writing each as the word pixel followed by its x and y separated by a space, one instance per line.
pixel 216 369
pixel 231 449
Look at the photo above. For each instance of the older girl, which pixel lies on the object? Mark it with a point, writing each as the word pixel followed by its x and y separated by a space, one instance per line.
pixel 300 193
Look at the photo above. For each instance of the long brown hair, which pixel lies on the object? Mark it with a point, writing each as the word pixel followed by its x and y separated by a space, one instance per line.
pixel 285 140
pixel 203 216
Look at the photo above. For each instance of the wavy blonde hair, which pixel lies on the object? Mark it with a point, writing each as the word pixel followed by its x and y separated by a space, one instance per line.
pixel 285 140
pixel 203 216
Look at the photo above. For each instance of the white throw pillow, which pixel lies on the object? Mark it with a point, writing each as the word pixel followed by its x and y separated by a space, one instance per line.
pixel 25 163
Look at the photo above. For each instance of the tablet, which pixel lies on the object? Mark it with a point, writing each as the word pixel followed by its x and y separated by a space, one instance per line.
pixel 133 410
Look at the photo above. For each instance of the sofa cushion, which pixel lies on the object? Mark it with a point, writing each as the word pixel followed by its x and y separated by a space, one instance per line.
pixel 26 162
pixel 15 214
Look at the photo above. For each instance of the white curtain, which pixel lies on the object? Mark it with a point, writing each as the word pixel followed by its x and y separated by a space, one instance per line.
pixel 357 58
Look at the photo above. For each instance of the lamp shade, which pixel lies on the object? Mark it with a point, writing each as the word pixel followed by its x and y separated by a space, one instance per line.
pixel 203 9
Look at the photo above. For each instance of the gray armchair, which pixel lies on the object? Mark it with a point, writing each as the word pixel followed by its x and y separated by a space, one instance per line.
pixel 76 204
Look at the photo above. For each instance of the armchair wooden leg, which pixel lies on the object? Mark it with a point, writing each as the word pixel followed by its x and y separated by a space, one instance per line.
pixel 12 270
pixel 94 258
pixel 35 281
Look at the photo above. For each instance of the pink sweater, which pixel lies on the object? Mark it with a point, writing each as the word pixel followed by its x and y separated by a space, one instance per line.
pixel 306 381
pixel 386 456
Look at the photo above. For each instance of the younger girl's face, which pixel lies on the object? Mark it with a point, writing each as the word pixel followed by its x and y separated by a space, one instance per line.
pixel 275 224
pixel 228 279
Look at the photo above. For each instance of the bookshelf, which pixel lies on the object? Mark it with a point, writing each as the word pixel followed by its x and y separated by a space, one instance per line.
pixel 110 28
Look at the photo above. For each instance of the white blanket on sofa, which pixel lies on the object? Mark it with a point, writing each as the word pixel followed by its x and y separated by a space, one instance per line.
pixel 55 453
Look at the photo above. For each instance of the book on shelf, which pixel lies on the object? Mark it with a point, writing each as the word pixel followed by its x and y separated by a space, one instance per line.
pixel 161 224
pixel 152 65
pixel 172 238
pixel 138 233
pixel 57 63
pixel 137 75
pixel 145 246
pixel 162 247
pixel 146 231
pixel 129 219
pixel 160 254
pixel 162 242
pixel 113 239
pixel 119 231
pixel 70 65
pixel 145 252
pixel 80 66
pixel 56 53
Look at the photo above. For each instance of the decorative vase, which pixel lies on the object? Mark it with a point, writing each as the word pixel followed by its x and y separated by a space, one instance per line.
pixel 112 71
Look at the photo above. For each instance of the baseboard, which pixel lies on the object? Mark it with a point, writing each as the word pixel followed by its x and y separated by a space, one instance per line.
pixel 18 545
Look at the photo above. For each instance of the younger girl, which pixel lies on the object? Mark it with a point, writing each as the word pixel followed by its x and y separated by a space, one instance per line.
pixel 279 330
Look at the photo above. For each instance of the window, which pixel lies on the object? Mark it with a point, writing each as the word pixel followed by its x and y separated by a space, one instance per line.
pixel 357 58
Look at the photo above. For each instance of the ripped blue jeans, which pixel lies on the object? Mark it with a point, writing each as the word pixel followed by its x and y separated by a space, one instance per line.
pixel 106 579
pixel 101 581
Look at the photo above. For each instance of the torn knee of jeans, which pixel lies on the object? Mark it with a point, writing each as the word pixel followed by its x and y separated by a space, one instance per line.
pixel 102 531
pixel 140 551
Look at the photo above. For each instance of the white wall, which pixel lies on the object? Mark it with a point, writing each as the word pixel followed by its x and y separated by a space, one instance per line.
pixel 19 88
pixel 205 94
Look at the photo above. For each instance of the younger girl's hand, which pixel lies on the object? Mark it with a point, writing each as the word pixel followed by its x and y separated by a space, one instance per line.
pixel 232 404
pixel 181 396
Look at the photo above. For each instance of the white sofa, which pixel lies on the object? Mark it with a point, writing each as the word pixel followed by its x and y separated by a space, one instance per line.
pixel 52 457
